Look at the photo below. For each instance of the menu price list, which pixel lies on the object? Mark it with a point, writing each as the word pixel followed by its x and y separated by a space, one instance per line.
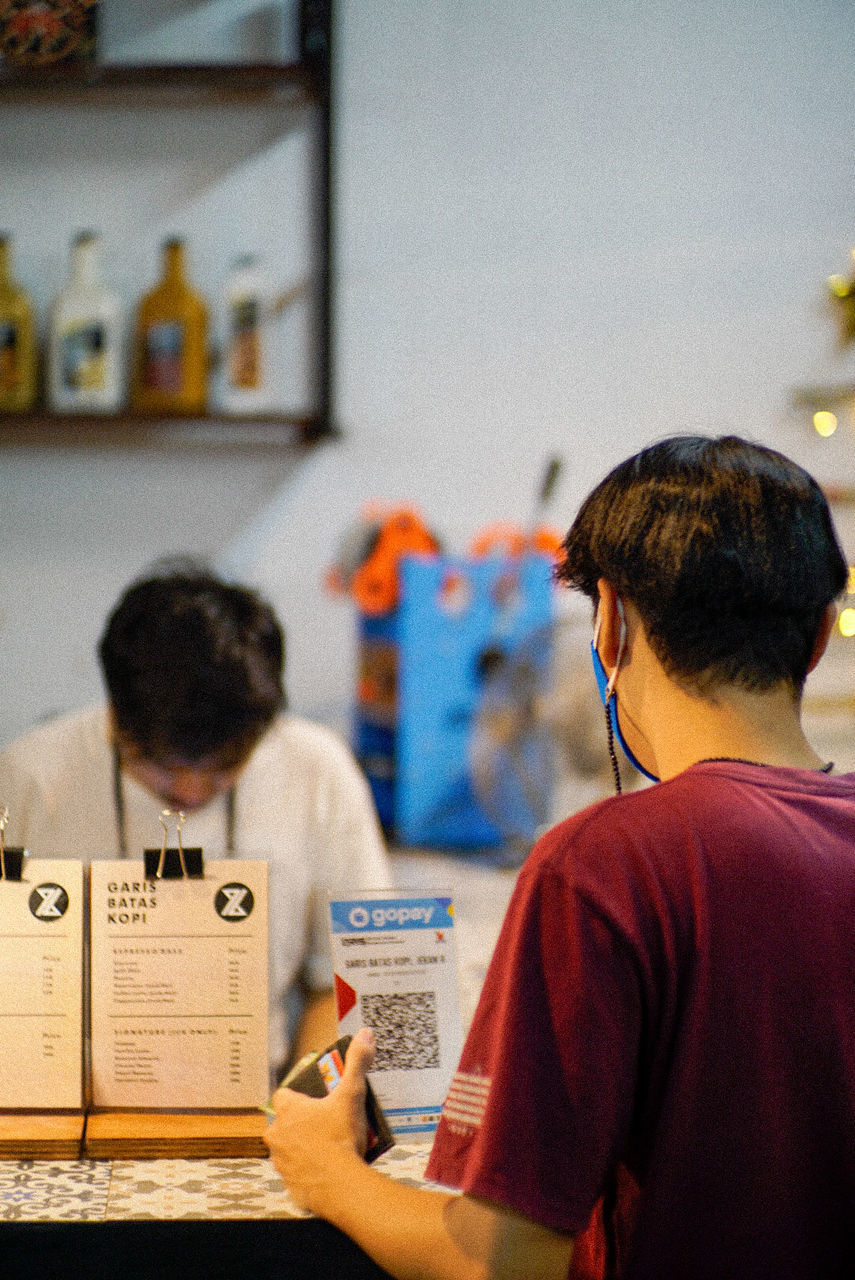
pixel 41 987
pixel 179 987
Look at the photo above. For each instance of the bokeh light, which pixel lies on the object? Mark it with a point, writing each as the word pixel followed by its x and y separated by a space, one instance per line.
pixel 846 622
pixel 825 423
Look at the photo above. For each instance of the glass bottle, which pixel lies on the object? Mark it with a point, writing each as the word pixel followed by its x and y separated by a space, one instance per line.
pixel 244 387
pixel 85 337
pixel 170 372
pixel 18 355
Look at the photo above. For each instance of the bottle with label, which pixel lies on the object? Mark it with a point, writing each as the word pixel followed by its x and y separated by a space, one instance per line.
pixel 170 373
pixel 85 337
pixel 244 387
pixel 18 357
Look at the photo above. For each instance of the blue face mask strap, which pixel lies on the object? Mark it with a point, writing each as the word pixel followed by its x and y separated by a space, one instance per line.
pixel 606 695
pixel 610 742
pixel 609 701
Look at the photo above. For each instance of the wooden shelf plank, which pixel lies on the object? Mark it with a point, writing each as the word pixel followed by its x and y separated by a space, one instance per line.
pixel 828 396
pixel 41 429
pixel 168 85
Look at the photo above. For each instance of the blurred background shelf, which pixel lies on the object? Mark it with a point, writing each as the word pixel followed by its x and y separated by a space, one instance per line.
pixel 834 396
pixel 43 429
pixel 293 92
pixel 293 86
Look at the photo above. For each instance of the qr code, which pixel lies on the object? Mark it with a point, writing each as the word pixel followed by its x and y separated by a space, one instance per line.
pixel 406 1029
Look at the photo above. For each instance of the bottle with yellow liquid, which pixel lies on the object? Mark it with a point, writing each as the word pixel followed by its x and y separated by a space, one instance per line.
pixel 18 356
pixel 170 372
pixel 85 337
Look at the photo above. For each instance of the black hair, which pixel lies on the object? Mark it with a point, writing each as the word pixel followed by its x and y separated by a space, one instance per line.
pixel 192 664
pixel 726 549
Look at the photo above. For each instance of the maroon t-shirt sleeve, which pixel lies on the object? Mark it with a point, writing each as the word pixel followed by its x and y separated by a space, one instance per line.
pixel 541 1105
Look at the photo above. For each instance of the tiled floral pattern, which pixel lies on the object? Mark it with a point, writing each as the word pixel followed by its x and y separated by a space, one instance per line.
pixel 228 1188
pixel 97 1191
pixel 53 1191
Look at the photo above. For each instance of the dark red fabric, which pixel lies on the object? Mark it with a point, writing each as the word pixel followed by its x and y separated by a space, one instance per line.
pixel 668 1032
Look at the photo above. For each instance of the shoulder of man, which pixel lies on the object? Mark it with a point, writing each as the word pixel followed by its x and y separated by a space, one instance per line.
pixel 61 742
pixel 638 831
pixel 291 736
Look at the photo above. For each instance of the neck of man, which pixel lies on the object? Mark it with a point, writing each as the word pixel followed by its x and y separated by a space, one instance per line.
pixel 669 725
pixel 733 723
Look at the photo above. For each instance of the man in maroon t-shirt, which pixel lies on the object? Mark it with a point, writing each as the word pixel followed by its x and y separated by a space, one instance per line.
pixel 659 1080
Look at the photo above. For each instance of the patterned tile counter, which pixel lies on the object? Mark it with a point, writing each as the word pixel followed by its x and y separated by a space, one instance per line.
pixel 165 1190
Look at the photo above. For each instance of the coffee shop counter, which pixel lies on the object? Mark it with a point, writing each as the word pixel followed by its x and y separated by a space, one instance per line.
pixel 226 1217
pixel 141 1219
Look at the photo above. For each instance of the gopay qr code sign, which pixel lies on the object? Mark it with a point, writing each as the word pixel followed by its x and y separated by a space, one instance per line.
pixel 396 971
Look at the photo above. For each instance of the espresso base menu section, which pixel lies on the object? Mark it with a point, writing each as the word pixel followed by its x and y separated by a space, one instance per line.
pixel 179 987
pixel 41 987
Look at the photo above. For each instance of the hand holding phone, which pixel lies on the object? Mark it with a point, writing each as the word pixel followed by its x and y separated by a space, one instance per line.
pixel 318 1073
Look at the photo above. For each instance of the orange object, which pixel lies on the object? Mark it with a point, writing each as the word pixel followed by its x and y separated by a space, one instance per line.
pixel 508 539
pixel 499 537
pixel 375 586
pixel 548 541
pixel 368 565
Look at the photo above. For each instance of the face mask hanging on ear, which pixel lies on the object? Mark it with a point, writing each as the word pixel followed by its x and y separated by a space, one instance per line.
pixel 608 697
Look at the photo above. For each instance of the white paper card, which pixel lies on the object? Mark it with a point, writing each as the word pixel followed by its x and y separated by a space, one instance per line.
pixel 179 987
pixel 41 987
pixel 396 971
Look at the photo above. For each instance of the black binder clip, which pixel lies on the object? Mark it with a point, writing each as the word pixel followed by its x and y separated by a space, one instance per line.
pixel 173 863
pixel 11 860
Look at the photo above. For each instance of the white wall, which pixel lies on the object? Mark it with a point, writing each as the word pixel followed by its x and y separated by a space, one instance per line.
pixel 565 228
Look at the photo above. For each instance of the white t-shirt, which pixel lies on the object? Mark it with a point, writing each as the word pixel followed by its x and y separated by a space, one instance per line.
pixel 302 805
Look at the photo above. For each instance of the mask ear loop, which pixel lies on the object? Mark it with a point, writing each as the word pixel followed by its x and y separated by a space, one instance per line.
pixel 610 688
pixel 610 744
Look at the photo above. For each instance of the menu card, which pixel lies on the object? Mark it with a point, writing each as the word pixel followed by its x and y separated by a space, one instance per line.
pixel 179 987
pixel 41 987
pixel 396 971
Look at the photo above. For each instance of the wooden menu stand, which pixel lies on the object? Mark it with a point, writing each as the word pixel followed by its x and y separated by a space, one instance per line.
pixel 131 1135
pixel 178 986
pixel 155 1135
pixel 41 1135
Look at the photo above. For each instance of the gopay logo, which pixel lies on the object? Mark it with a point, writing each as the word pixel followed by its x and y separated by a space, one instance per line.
pixel 381 916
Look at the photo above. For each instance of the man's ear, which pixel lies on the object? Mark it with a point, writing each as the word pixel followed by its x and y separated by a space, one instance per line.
pixel 822 636
pixel 608 645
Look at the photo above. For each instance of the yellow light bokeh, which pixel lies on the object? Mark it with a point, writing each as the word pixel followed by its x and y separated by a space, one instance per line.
pixel 825 423
pixel 846 622
pixel 840 286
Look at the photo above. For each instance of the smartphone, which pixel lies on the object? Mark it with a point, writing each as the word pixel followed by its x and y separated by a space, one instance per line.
pixel 317 1074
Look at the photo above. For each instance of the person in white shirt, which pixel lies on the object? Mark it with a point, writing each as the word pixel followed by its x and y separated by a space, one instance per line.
pixel 195 721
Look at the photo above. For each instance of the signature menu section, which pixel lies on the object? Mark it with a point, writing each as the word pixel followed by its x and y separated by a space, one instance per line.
pixel 41 987
pixel 179 987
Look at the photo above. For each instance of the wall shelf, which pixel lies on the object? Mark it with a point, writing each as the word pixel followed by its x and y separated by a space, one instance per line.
pixel 292 86
pixel 301 92
pixel 837 396
pixel 42 429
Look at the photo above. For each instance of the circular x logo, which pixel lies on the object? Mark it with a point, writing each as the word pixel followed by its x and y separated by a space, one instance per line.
pixel 234 902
